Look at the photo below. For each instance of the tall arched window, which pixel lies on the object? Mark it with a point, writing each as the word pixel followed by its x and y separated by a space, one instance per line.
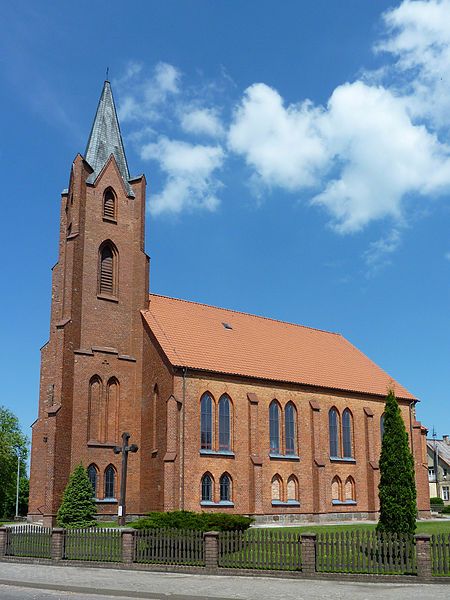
pixel 224 423
pixel 349 489
pixel 110 476
pixel 207 488
pixel 290 428
pixel 274 427
pixel 336 489
pixel 382 426
pixel 276 487
pixel 112 410
pixel 225 488
pixel 109 205
pixel 292 489
pixel 92 472
pixel 333 419
pixel 96 410
pixel 347 441
pixel 107 279
pixel 206 420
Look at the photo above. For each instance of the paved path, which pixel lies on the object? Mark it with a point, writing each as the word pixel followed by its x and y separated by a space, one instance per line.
pixel 40 582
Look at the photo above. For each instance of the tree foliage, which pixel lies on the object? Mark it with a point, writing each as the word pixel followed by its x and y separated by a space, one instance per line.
pixel 78 507
pixel 397 489
pixel 13 447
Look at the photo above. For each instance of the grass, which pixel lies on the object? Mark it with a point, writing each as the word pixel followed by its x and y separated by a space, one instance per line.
pixel 429 527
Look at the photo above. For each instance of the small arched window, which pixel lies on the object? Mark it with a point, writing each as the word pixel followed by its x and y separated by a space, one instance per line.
pixel 336 489
pixel 109 205
pixel 276 487
pixel 225 488
pixel 107 280
pixel 382 426
pixel 347 441
pixel 224 424
pixel 206 419
pixel 290 428
pixel 274 427
pixel 292 489
pixel 92 472
pixel 110 476
pixel 207 488
pixel 349 489
pixel 333 419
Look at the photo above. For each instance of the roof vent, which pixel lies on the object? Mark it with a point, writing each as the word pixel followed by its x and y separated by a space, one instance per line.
pixel 227 326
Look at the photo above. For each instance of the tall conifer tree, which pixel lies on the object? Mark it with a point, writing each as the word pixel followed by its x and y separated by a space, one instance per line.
pixel 397 489
pixel 78 505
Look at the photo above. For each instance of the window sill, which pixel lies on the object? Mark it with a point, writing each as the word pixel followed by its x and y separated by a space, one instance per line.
pixel 288 503
pixel 348 459
pixel 106 501
pixel 108 298
pixel 228 453
pixel 341 503
pixel 110 220
pixel 222 503
pixel 275 456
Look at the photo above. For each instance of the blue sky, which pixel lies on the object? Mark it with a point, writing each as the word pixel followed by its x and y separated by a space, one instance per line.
pixel 297 155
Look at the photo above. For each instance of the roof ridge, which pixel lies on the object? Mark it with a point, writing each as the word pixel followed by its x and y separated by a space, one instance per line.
pixel 241 312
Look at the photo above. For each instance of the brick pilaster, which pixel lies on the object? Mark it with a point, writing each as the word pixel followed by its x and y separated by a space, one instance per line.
pixel 128 545
pixel 211 539
pixel 3 539
pixel 57 543
pixel 423 551
pixel 308 548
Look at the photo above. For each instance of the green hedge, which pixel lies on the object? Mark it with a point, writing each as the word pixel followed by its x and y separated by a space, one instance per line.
pixel 446 510
pixel 435 500
pixel 183 519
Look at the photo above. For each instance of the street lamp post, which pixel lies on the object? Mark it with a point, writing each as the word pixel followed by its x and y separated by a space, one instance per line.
pixel 17 483
pixel 125 449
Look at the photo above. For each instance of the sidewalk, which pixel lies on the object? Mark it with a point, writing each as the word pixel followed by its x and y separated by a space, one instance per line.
pixel 177 586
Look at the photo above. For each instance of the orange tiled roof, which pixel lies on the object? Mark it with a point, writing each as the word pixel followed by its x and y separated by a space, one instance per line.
pixel 193 335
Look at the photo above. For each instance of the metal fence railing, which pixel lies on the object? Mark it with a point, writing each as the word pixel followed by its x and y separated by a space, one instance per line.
pixel 169 546
pixel 29 540
pixel 96 544
pixel 440 554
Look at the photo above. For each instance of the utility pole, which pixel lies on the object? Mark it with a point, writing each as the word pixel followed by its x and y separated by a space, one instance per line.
pixel 125 449
pixel 436 464
pixel 17 483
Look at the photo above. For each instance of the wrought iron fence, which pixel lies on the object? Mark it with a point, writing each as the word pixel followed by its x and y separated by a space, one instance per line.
pixel 96 544
pixel 169 547
pixel 366 552
pixel 440 554
pixel 29 540
pixel 260 549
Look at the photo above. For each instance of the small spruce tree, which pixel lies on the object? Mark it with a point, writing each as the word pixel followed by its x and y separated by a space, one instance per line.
pixel 397 489
pixel 78 505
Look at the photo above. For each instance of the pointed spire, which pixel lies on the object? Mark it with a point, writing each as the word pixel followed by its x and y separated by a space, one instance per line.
pixel 105 139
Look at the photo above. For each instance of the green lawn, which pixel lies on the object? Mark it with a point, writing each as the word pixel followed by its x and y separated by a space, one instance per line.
pixel 429 527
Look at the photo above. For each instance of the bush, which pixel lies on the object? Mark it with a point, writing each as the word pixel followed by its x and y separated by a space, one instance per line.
pixel 446 510
pixel 183 519
pixel 78 505
pixel 435 501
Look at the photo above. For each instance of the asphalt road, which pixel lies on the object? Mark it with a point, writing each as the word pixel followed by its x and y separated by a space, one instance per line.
pixel 42 582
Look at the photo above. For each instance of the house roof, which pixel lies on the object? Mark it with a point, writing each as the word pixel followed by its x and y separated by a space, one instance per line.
pixel 214 339
pixel 442 449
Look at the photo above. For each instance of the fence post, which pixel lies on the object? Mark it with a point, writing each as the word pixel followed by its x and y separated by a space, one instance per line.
pixel 423 550
pixel 128 545
pixel 57 551
pixel 3 540
pixel 211 541
pixel 308 553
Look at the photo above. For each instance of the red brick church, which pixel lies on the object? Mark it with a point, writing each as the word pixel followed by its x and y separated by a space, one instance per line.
pixel 231 411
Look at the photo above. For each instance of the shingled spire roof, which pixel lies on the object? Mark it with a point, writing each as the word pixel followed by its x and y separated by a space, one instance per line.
pixel 105 139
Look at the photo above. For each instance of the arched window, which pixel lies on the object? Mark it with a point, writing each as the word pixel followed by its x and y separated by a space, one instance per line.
pixel 109 205
pixel 92 472
pixel 347 442
pixel 276 487
pixel 292 489
pixel 110 476
pixel 107 280
pixel 382 426
pixel 274 427
pixel 336 489
pixel 96 410
pixel 224 423
pixel 154 412
pixel 207 488
pixel 290 428
pixel 225 488
pixel 112 410
pixel 333 419
pixel 349 489
pixel 206 420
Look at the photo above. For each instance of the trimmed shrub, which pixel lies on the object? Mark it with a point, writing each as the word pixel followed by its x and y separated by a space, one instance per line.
pixel 184 519
pixel 78 507
pixel 446 510
pixel 436 501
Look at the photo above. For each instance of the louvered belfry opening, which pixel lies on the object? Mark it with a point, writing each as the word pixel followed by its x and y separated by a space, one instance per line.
pixel 107 270
pixel 109 205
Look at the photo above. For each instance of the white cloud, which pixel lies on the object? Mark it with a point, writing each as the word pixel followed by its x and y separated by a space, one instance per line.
pixel 191 182
pixel 202 121
pixel 378 253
